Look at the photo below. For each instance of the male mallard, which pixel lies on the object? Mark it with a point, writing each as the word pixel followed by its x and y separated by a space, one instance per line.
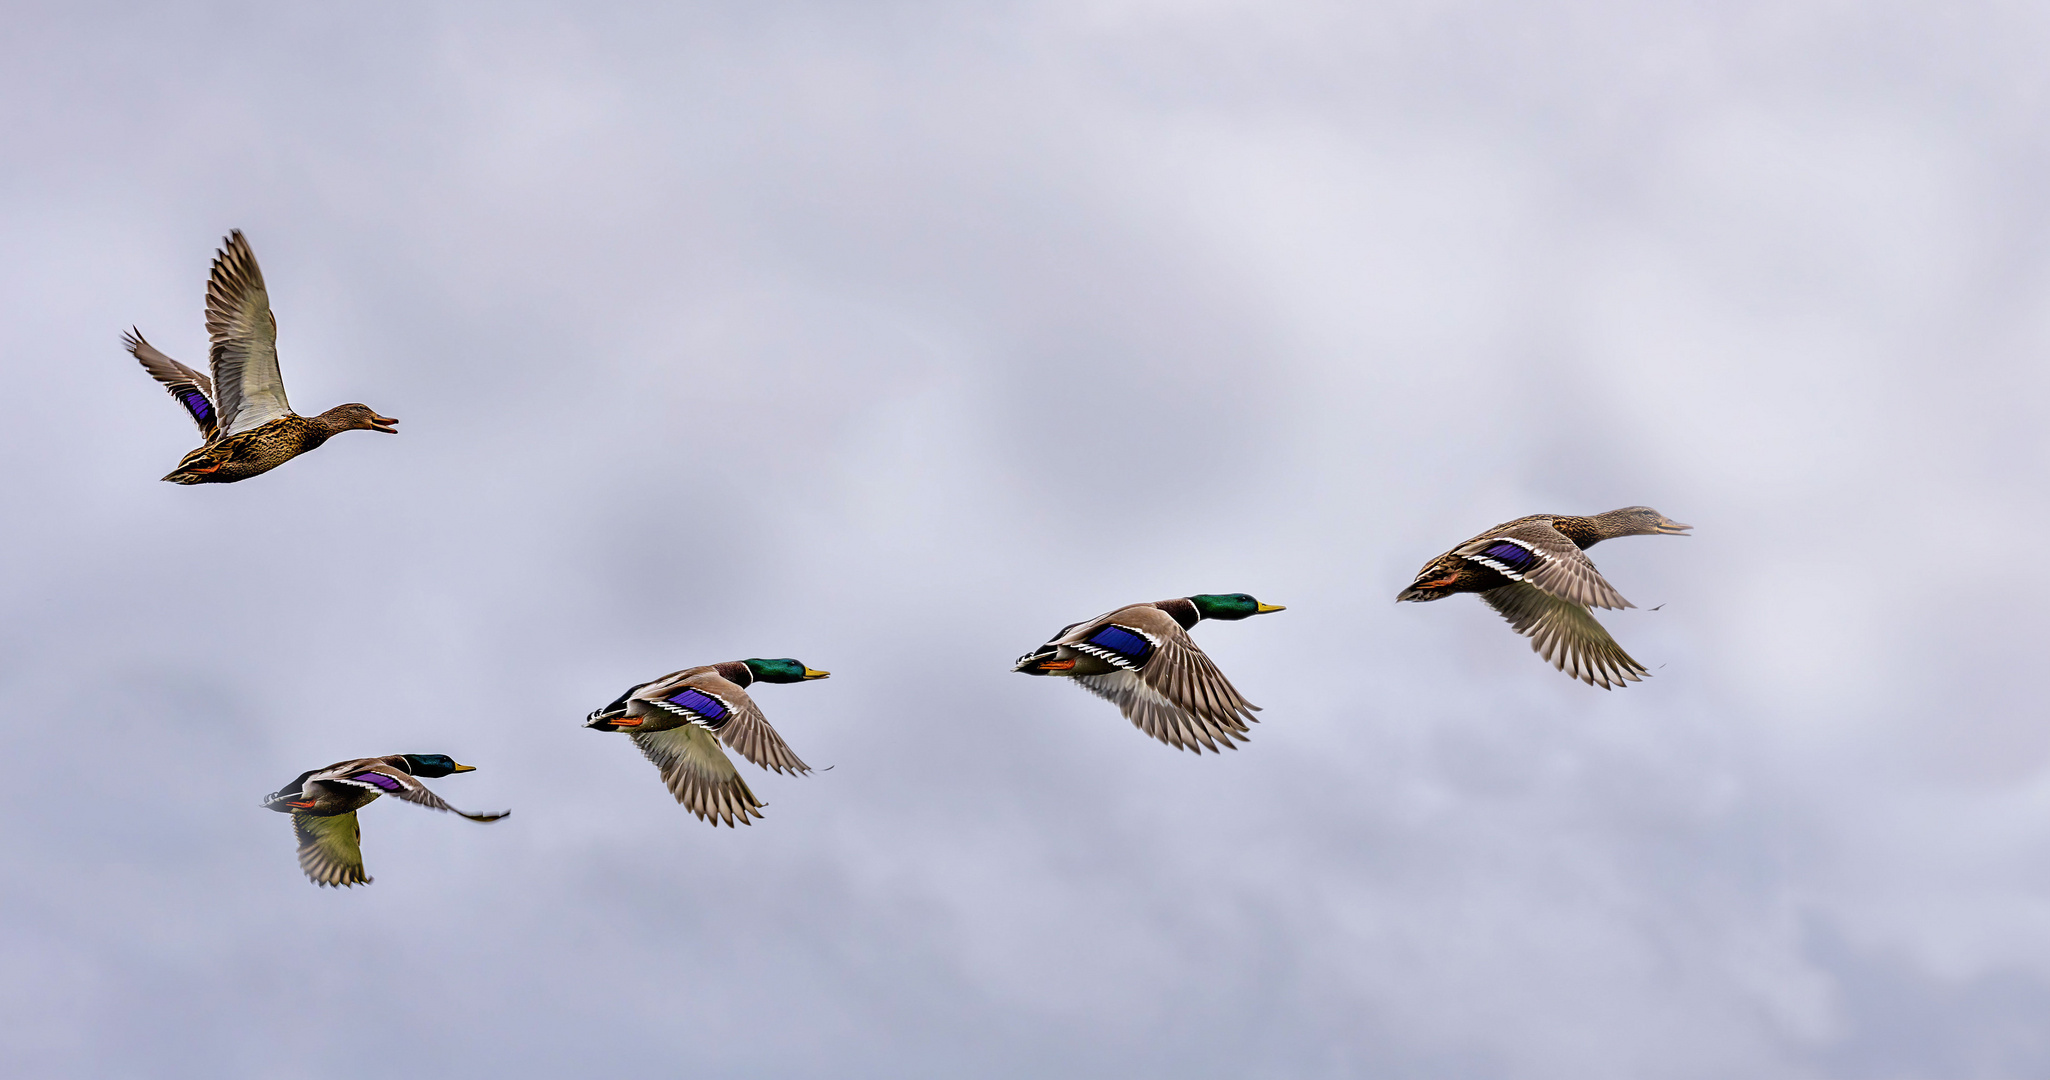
pixel 249 426
pixel 1531 570
pixel 674 718
pixel 323 805
pixel 1142 659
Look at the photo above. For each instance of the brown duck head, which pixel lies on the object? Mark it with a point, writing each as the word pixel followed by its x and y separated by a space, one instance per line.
pixel 357 416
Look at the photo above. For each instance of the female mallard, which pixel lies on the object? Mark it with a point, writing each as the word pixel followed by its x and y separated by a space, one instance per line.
pixel 1142 659
pixel 1532 571
pixel 323 805
pixel 674 718
pixel 249 426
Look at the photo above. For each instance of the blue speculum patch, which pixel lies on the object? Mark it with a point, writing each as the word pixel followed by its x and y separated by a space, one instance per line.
pixel 1123 642
pixel 701 703
pixel 381 780
pixel 1515 555
pixel 198 404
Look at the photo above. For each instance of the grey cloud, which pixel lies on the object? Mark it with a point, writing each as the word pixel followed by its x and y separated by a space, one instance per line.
pixel 894 338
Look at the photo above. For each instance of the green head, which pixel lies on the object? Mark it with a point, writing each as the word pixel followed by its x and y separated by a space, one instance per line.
pixel 1229 606
pixel 433 766
pixel 784 670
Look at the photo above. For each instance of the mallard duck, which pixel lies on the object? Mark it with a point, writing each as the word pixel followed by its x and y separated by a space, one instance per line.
pixel 323 805
pixel 1142 659
pixel 674 719
pixel 1531 570
pixel 249 426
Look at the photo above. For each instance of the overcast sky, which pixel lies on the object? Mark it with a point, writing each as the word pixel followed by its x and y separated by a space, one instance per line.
pixel 894 337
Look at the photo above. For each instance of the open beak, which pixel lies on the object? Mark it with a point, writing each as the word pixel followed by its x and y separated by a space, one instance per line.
pixel 384 424
pixel 460 767
pixel 1265 608
pixel 1669 527
pixel 811 674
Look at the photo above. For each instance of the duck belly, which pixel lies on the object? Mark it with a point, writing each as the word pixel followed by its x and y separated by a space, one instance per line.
pixel 251 453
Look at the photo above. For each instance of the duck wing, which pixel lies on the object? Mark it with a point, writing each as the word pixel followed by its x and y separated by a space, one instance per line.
pixel 699 774
pixel 711 701
pixel 1166 685
pixel 1566 634
pixel 750 735
pixel 385 779
pixel 1536 552
pixel 249 391
pixel 638 699
pixel 193 390
pixel 330 849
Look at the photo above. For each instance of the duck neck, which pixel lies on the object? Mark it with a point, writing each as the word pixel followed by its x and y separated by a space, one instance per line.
pixel 1589 531
pixel 328 425
pixel 1183 610
pixel 735 672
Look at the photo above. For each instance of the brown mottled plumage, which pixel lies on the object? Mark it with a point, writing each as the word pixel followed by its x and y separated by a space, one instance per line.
pixel 1533 573
pixel 249 426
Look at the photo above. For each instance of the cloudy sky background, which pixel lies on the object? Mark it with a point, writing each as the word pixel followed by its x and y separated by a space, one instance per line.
pixel 893 337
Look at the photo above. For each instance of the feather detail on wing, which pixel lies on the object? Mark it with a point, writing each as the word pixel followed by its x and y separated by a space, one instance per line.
pixel 1566 634
pixel 399 784
pixel 715 703
pixel 697 695
pixel 1154 714
pixel 249 391
pixel 1535 552
pixel 699 774
pixel 1174 692
pixel 188 387
pixel 750 735
pixel 330 849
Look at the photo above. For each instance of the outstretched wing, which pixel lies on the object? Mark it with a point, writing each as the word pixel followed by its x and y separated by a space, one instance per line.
pixel 1535 552
pixel 1166 685
pixel 699 774
pixel 248 390
pixel 1566 634
pixel 399 784
pixel 711 701
pixel 330 849
pixel 193 390
pixel 750 735
pixel 1152 713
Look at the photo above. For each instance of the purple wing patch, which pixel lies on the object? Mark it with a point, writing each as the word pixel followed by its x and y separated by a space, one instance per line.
pixel 1123 643
pixel 378 778
pixel 1514 556
pixel 712 709
pixel 197 404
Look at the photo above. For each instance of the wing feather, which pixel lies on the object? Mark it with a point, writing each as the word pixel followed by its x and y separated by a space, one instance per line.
pixel 330 849
pixel 1566 634
pixel 700 775
pixel 1177 694
pixel 397 783
pixel 744 727
pixel 188 387
pixel 1534 551
pixel 749 734
pixel 244 336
